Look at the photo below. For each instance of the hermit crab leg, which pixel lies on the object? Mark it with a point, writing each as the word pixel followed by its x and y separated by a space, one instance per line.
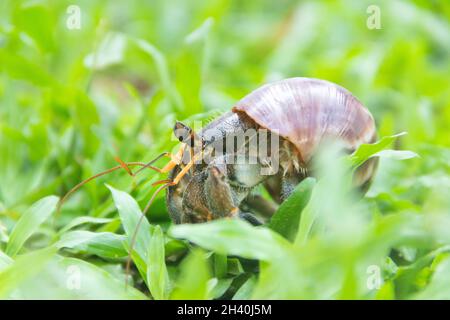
pixel 175 160
pixel 186 168
pixel 122 165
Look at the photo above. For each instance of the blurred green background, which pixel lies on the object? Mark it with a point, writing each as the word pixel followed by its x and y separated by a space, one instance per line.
pixel 73 98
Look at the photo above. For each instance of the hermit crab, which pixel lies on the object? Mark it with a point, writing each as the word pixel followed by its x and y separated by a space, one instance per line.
pixel 268 138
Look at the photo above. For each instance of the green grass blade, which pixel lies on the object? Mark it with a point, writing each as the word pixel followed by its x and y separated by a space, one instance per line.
pixel 130 214
pixel 221 287
pixel 84 220
pixel 102 244
pixel 72 278
pixel 286 219
pixel 110 51
pixel 5 260
pixel 233 237
pixel 157 276
pixel 396 154
pixel 23 268
pixel 439 286
pixel 220 265
pixel 95 283
pixel 245 291
pixel 192 284
pixel 30 221
pixel 366 151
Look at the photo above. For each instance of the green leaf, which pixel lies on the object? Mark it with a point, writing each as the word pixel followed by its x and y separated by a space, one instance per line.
pixel 233 237
pixel 245 291
pixel 36 20
pixel 366 151
pixel 396 154
pixel 386 292
pixel 439 286
pixel 29 222
pixel 5 260
pixel 19 67
pixel 130 215
pixel 72 278
pixel 192 283
pixel 102 244
pixel 234 267
pixel 175 246
pixel 23 268
pixel 286 219
pixel 221 287
pixel 220 265
pixel 83 220
pixel 110 51
pixel 3 234
pixel 157 276
pixel 309 215
pixel 95 283
pixel 201 33
pixel 331 210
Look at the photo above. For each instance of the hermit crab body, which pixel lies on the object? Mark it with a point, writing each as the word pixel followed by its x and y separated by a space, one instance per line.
pixel 293 117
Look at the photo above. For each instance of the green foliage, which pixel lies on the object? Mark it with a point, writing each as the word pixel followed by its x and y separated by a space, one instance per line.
pixel 136 228
pixel 229 236
pixel 102 244
pixel 157 276
pixel 377 149
pixel 23 268
pixel 72 99
pixel 286 219
pixel 4 260
pixel 29 223
pixel 193 278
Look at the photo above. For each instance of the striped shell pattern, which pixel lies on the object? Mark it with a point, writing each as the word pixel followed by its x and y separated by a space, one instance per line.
pixel 305 111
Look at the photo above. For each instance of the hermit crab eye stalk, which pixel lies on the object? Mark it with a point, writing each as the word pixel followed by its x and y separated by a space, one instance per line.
pixel 182 132
pixel 186 135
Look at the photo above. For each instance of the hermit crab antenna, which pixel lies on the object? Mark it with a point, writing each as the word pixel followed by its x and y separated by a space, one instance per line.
pixel 149 164
pixel 138 225
pixel 122 164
